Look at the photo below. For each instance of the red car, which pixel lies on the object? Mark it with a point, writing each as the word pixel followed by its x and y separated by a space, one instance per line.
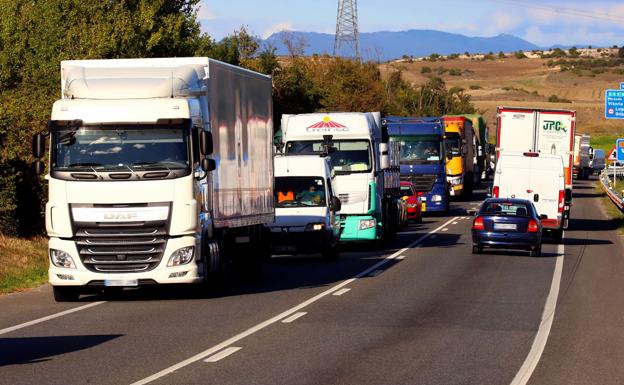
pixel 413 200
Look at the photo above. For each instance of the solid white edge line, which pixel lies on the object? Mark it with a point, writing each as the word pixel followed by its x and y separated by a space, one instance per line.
pixel 222 354
pixel 202 355
pixel 400 257
pixel 294 317
pixel 50 317
pixel 548 315
pixel 342 291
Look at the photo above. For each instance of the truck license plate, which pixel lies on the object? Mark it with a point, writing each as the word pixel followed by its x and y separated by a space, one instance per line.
pixel 121 282
pixel 505 226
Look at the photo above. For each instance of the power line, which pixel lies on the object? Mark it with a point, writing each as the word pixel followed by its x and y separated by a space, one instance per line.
pixel 564 10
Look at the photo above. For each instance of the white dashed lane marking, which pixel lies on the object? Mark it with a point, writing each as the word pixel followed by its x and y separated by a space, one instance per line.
pixel 294 317
pixel 222 354
pixel 342 291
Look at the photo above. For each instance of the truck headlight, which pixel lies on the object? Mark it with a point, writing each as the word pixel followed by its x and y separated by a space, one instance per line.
pixel 181 256
pixel 366 224
pixel 456 181
pixel 314 227
pixel 436 198
pixel 60 258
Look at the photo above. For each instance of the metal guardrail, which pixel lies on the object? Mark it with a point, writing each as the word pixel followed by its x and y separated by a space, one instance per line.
pixel 616 194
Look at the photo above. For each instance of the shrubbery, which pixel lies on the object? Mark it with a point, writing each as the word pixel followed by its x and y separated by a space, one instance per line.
pixel 36 36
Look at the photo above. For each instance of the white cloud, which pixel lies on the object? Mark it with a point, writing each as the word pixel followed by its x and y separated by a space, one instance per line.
pixel 279 27
pixel 204 12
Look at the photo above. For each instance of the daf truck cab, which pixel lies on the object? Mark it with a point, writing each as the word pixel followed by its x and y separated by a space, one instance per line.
pixel 161 172
pixel 307 212
pixel 539 178
pixel 365 164
pixel 423 158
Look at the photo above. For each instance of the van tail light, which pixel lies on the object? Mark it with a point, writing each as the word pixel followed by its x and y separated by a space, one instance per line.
pixel 477 224
pixel 533 227
pixel 495 191
pixel 561 200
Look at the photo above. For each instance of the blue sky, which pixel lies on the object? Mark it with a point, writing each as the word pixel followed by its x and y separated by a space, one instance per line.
pixel 545 22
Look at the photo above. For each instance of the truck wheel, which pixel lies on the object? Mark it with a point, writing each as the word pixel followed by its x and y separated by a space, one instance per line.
pixel 331 254
pixel 558 235
pixel 477 249
pixel 65 293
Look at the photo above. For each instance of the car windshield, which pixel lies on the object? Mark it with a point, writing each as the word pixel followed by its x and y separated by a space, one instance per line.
pixel 421 149
pixel 299 192
pixel 506 208
pixel 346 156
pixel 115 147
pixel 406 190
pixel 453 143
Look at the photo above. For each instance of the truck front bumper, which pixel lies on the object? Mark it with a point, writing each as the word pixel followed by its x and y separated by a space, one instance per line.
pixel 81 276
pixel 352 232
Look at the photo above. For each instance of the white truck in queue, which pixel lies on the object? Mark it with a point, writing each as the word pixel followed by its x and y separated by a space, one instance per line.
pixel 161 172
pixel 365 163
pixel 583 156
pixel 537 133
pixel 307 212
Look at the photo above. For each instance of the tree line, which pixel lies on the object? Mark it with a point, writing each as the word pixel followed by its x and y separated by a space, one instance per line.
pixel 36 35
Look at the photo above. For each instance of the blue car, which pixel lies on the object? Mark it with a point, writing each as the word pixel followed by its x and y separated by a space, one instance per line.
pixel 507 224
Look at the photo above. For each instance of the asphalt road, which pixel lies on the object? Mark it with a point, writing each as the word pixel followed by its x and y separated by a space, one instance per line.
pixel 423 310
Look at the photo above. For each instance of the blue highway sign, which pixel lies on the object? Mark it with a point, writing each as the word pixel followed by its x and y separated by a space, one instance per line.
pixel 619 150
pixel 614 104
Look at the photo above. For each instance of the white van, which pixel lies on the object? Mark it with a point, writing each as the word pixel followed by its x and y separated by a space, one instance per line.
pixel 538 178
pixel 307 212
pixel 598 161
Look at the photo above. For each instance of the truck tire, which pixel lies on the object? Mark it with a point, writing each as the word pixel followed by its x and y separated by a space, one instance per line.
pixel 557 235
pixel 65 293
pixel 331 254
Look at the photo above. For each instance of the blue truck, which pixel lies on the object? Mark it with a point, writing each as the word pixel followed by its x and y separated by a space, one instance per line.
pixel 423 158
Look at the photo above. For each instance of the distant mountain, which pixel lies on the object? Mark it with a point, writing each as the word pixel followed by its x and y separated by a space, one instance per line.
pixel 393 45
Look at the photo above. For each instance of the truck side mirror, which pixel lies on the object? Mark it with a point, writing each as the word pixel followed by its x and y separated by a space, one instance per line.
pixel 38 145
pixel 568 195
pixel 535 197
pixel 591 153
pixel 205 143
pixel 336 203
pixel 384 162
pixel 208 164
pixel 449 154
pixel 38 167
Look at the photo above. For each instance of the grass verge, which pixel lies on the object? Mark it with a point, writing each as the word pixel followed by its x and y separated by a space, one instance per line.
pixel 23 263
pixel 610 209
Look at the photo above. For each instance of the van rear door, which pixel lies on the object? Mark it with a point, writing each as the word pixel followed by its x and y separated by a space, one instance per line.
pixel 546 182
pixel 516 129
pixel 515 177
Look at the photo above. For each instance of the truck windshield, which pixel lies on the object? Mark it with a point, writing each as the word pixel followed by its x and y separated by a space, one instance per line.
pixel 347 156
pixel 421 149
pixel 115 147
pixel 453 143
pixel 300 191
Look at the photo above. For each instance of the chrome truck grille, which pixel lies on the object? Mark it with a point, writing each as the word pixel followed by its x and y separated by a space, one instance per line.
pixel 122 247
pixel 422 183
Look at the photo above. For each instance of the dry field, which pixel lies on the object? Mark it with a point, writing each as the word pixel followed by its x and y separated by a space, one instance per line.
pixel 524 83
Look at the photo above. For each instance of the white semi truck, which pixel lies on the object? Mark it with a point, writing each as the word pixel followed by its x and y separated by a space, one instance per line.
pixel 161 172
pixel 366 165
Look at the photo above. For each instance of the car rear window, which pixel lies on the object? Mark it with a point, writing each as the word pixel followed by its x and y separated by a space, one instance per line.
pixel 506 208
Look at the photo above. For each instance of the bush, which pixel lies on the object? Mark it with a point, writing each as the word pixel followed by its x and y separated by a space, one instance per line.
pixel 425 70
pixel 475 87
pixel 556 99
pixel 520 55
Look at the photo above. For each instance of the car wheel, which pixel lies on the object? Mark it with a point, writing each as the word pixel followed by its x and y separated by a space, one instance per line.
pixel 65 293
pixel 477 249
pixel 537 252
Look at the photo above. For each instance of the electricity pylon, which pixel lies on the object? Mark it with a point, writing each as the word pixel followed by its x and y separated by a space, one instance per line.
pixel 347 41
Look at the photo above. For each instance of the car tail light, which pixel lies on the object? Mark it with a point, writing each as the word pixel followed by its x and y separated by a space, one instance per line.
pixel 495 191
pixel 533 227
pixel 478 224
pixel 420 193
pixel 561 200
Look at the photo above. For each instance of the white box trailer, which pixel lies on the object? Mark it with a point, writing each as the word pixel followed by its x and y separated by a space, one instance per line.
pixel 583 154
pixel 159 168
pixel 544 131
